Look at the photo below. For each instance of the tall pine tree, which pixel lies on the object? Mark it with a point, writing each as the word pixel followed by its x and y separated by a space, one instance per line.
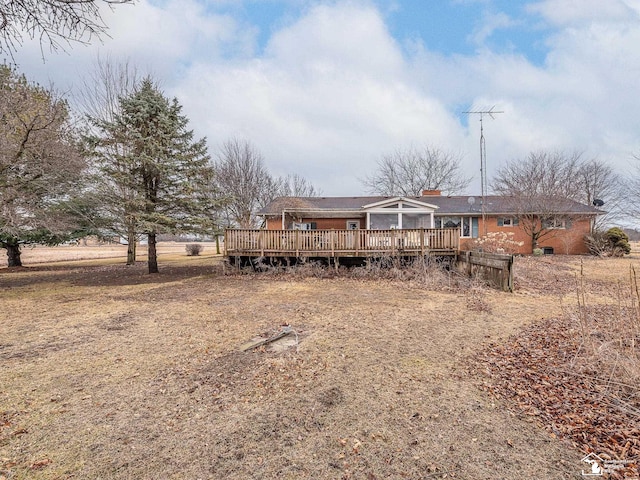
pixel 164 171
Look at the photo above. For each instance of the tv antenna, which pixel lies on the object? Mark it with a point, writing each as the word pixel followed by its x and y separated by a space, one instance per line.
pixel 483 155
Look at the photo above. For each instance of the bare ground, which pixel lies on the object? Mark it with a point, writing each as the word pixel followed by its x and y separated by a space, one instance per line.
pixel 109 373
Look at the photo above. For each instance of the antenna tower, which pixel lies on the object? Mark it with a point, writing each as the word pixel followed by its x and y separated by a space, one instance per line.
pixel 483 155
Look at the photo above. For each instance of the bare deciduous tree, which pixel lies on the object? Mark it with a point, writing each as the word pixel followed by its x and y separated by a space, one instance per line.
pixel 52 21
pixel 293 185
pixel 99 98
pixel 540 174
pixel 101 90
pixel 41 166
pixel 543 187
pixel 602 187
pixel 408 172
pixel 241 177
pixel 632 184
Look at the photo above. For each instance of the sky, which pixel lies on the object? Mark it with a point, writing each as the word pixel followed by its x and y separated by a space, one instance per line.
pixel 324 89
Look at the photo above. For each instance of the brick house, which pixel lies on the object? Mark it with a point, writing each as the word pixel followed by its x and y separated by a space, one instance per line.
pixel 562 231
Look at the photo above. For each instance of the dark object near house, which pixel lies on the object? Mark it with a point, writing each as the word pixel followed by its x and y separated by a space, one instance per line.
pixel 598 202
pixel 547 250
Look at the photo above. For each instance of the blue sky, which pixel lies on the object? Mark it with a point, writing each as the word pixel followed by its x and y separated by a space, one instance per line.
pixel 325 88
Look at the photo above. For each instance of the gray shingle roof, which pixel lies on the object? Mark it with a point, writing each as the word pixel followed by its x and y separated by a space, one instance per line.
pixel 447 205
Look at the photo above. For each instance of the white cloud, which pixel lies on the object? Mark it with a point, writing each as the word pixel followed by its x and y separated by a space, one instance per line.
pixel 160 39
pixel 332 90
pixel 490 23
pixel 563 13
pixel 332 93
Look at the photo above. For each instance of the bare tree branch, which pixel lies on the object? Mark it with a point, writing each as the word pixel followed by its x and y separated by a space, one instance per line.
pixel 408 172
pixel 41 165
pixel 241 176
pixel 541 187
pixel 53 22
pixel 293 185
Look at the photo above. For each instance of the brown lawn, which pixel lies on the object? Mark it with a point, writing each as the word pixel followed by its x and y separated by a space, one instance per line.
pixel 107 372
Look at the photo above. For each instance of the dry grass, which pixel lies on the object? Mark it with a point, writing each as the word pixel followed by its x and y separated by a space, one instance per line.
pixel 39 255
pixel 109 373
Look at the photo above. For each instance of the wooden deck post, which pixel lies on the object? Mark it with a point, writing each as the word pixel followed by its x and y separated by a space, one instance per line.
pixel 261 242
pixel 333 244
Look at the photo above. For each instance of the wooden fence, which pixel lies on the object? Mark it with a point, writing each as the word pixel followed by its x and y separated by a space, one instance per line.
pixel 497 269
pixel 341 243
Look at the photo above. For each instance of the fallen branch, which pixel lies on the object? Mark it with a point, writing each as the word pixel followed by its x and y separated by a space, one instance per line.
pixel 252 345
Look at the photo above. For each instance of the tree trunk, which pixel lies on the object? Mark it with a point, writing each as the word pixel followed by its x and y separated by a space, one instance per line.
pixel 153 256
pixel 217 244
pixel 131 248
pixel 13 254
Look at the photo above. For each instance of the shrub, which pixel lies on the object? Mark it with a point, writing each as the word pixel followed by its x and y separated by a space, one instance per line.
pixel 538 252
pixel 193 249
pixel 614 242
pixel 596 243
pixel 497 242
pixel 618 242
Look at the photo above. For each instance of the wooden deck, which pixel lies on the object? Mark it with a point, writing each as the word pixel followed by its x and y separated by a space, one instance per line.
pixel 341 243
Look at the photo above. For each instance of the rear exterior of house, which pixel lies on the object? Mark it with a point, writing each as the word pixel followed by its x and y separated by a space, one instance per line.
pixel 469 215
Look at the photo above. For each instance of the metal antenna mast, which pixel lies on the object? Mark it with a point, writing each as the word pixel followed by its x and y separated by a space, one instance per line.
pixel 483 156
pixel 483 149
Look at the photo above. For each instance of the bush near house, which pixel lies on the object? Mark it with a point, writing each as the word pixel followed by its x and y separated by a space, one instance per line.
pixel 612 243
pixel 497 242
pixel 618 242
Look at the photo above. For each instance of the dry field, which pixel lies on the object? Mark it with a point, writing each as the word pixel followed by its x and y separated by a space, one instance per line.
pixel 107 372
pixel 39 255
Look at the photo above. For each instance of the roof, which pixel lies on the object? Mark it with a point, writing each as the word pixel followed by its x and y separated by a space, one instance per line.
pixel 447 205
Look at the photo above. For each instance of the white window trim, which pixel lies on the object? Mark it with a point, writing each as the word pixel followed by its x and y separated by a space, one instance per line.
pixel 416 209
pixel 353 222
pixel 461 217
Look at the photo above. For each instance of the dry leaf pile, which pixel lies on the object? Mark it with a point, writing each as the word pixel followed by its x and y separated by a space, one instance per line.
pixel 548 374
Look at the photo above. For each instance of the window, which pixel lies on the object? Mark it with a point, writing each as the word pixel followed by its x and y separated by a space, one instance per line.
pixel 508 222
pixel 353 224
pixel 555 223
pixel 450 222
pixel 468 225
pixel 416 220
pixel 383 221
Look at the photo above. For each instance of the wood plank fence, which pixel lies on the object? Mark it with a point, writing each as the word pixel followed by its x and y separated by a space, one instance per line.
pixel 496 269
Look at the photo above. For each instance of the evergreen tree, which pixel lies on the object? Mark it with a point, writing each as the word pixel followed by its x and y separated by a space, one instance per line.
pixel 162 169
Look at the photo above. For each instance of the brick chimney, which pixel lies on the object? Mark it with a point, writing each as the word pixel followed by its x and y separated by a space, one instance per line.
pixel 431 193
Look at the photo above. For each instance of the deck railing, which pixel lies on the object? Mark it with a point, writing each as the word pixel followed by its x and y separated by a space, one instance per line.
pixel 310 243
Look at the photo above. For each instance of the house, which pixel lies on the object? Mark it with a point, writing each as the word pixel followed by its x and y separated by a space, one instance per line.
pixel 560 226
pixel 431 224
